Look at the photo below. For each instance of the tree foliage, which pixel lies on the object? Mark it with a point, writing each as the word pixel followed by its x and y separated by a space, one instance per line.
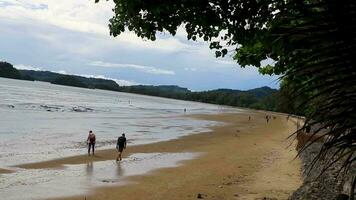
pixel 311 41
pixel 259 98
pixel 8 71
pixel 69 81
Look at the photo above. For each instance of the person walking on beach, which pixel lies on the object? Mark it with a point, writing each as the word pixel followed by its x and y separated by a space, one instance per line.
pixel 120 146
pixel 91 142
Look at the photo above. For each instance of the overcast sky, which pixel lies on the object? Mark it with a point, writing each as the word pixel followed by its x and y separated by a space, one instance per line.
pixel 72 36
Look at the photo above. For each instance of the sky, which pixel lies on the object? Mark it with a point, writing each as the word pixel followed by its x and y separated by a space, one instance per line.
pixel 72 37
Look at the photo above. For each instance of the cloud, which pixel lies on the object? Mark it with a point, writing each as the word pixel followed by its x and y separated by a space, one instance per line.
pixel 79 15
pixel 142 68
pixel 193 69
pixel 121 82
pixel 28 67
pixel 82 16
pixel 166 45
pixel 27 5
pixel 226 62
pixel 61 72
pixel 118 81
pixel 125 82
pixel 67 35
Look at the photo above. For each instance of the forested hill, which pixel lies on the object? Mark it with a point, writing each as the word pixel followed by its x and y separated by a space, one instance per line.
pixel 70 80
pixel 8 71
pixel 260 98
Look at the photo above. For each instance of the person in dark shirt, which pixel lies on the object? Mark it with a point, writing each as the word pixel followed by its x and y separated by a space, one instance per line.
pixel 120 146
pixel 91 142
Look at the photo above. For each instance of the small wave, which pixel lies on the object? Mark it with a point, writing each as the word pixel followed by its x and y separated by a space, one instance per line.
pixel 79 145
pixel 143 131
pixel 7 106
pixel 51 108
pixel 82 109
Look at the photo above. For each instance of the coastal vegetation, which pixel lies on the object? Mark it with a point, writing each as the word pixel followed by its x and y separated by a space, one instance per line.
pixel 8 71
pixel 311 44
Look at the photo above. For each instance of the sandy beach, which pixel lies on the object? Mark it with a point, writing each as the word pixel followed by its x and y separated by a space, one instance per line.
pixel 4 171
pixel 239 160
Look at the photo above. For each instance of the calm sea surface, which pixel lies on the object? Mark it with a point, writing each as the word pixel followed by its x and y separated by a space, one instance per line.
pixel 40 121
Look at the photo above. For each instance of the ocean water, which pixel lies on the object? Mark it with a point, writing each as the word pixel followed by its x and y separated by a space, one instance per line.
pixel 41 121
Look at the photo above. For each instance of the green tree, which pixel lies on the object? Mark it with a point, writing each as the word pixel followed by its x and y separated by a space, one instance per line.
pixel 8 71
pixel 69 81
pixel 311 41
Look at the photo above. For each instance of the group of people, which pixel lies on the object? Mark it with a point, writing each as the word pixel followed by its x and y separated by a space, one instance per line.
pixel 268 117
pixel 120 145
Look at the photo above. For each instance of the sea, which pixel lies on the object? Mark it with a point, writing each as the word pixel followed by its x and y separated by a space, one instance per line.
pixel 42 121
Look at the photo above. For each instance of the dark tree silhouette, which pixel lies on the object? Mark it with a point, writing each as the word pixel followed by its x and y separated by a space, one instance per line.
pixel 8 71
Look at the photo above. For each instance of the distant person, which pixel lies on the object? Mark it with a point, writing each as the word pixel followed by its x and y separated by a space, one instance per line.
pixel 307 129
pixel 185 110
pixel 249 118
pixel 120 146
pixel 91 142
pixel 267 118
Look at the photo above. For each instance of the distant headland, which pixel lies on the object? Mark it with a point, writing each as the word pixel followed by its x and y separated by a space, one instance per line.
pixel 264 98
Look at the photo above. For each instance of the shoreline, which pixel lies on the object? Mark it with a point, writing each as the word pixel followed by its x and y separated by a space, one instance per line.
pixel 166 146
pixel 110 153
pixel 241 159
pixel 5 171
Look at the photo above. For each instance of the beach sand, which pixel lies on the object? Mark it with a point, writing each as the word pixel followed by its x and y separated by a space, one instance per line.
pixel 240 160
pixel 4 171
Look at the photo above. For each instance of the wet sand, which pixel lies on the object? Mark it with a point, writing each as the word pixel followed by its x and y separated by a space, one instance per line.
pixel 240 160
pixel 4 171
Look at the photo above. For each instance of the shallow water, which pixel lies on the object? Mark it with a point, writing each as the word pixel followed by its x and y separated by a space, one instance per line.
pixel 81 179
pixel 40 121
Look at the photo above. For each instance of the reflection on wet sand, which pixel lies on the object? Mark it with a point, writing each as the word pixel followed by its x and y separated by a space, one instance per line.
pixel 79 179
pixel 89 168
pixel 119 170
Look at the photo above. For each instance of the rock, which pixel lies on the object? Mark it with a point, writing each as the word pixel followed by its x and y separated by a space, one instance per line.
pixel 228 183
pixel 220 186
pixel 342 197
pixel 327 186
pixel 107 181
pixel 81 109
pixel 199 196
